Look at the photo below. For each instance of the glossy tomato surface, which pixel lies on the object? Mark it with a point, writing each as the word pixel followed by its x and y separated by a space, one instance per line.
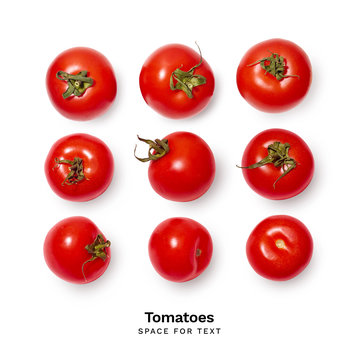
pixel 263 90
pixel 66 254
pixel 279 248
pixel 97 98
pixel 180 249
pixel 186 172
pixel 92 173
pixel 155 82
pixel 264 180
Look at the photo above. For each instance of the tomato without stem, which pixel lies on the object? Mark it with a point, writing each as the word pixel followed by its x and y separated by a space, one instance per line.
pixel 182 166
pixel 79 167
pixel 279 248
pixel 176 81
pixel 76 250
pixel 277 164
pixel 81 83
pixel 180 249
pixel 274 75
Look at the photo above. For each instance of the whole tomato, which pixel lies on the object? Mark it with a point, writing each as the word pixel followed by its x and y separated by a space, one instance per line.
pixel 81 83
pixel 76 250
pixel 274 75
pixel 180 249
pixel 279 248
pixel 182 166
pixel 176 81
pixel 79 167
pixel 277 164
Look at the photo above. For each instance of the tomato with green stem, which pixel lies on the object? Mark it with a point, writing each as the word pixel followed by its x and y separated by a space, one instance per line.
pixel 176 81
pixel 180 249
pixel 182 166
pixel 277 164
pixel 79 167
pixel 274 75
pixel 81 83
pixel 76 250
pixel 279 248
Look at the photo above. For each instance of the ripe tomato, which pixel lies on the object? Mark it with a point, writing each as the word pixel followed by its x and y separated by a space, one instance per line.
pixel 182 166
pixel 81 83
pixel 277 164
pixel 176 81
pixel 76 250
pixel 180 249
pixel 274 75
pixel 279 248
pixel 79 167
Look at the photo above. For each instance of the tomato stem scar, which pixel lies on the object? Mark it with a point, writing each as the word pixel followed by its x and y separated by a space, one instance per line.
pixel 77 84
pixel 76 170
pixel 186 80
pixel 96 249
pixel 277 155
pixel 198 252
pixel 274 65
pixel 157 149
pixel 280 244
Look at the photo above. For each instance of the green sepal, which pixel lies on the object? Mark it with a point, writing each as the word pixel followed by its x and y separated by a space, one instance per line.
pixel 157 149
pixel 97 250
pixel 76 170
pixel 186 80
pixel 77 84
pixel 277 155
pixel 274 65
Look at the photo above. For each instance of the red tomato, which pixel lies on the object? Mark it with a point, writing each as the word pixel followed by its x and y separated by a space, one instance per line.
pixel 274 75
pixel 81 83
pixel 76 250
pixel 182 166
pixel 279 248
pixel 180 249
pixel 277 164
pixel 79 167
pixel 176 81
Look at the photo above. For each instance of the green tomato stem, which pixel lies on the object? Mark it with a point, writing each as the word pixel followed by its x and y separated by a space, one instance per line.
pixel 277 155
pixel 77 84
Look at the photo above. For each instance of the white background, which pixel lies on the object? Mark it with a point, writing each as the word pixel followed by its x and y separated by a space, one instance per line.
pixel 315 316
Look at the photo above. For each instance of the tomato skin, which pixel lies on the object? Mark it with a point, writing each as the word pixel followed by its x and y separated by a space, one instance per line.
pixel 155 76
pixel 97 161
pixel 96 99
pixel 262 179
pixel 65 253
pixel 186 172
pixel 279 263
pixel 173 249
pixel 262 90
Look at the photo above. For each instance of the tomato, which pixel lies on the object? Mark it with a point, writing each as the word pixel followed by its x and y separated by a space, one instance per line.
pixel 79 167
pixel 81 83
pixel 279 248
pixel 180 249
pixel 76 250
pixel 176 81
pixel 274 75
pixel 277 164
pixel 182 166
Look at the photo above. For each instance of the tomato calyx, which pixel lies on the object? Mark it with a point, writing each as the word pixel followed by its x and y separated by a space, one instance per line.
pixel 96 249
pixel 277 155
pixel 274 65
pixel 76 170
pixel 157 149
pixel 186 80
pixel 77 84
